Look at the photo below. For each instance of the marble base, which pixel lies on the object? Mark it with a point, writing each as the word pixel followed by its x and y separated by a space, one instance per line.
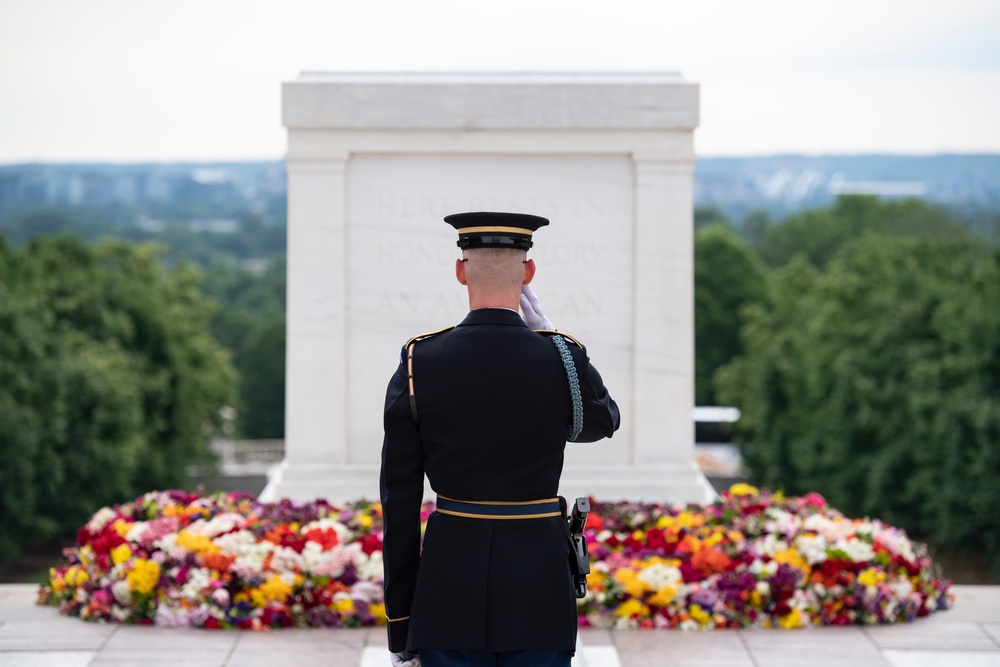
pixel 343 483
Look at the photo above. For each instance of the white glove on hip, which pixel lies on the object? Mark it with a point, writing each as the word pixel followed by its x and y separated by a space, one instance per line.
pixel 404 659
pixel 532 312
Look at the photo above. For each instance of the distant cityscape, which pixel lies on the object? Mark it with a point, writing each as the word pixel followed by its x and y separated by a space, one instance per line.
pixel 778 185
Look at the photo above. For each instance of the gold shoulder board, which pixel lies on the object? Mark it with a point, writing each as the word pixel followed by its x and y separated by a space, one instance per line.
pixel 548 332
pixel 424 336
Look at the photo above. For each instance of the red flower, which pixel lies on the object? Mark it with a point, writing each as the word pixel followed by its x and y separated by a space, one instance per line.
pixel 655 539
pixel 325 537
pixel 594 522
pixel 212 623
pixel 371 544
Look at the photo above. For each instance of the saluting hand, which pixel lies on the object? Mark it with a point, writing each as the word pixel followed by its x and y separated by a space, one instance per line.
pixel 532 312
pixel 404 659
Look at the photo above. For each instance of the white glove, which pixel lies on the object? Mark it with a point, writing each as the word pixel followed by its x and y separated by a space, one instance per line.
pixel 404 659
pixel 531 310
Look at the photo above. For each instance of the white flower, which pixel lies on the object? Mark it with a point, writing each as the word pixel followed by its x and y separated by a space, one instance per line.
pixel 134 533
pixel 100 519
pixel 217 525
pixel 232 544
pixel 856 550
pixel 762 569
pixel 287 559
pixel 371 569
pixel 250 560
pixel 330 563
pixel 764 588
pixel 221 596
pixel 901 588
pixel 120 589
pixel 198 579
pixel 167 542
pixel 782 522
pixel 812 548
pixel 659 575
pixel 769 545
pixel 368 591
pixel 831 529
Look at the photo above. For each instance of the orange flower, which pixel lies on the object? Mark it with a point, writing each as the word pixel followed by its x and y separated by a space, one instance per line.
pixel 217 561
pixel 710 560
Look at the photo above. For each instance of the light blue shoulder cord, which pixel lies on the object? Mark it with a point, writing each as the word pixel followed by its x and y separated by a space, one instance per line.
pixel 574 385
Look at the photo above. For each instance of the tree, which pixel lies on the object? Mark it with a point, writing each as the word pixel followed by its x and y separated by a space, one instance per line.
pixel 820 233
pixel 876 382
pixel 727 277
pixel 109 381
pixel 262 382
pixel 250 306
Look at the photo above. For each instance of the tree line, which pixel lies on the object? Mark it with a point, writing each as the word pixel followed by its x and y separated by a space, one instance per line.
pixel 861 343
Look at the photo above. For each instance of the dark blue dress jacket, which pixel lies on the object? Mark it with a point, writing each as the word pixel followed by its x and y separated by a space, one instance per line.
pixel 494 410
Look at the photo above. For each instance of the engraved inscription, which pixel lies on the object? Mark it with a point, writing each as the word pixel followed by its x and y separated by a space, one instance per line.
pixel 583 207
pixel 408 255
pixel 454 305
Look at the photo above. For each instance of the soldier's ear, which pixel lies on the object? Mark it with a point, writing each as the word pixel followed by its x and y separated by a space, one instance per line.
pixel 529 271
pixel 460 271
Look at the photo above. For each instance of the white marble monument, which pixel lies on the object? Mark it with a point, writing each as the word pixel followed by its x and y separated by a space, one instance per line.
pixel 375 161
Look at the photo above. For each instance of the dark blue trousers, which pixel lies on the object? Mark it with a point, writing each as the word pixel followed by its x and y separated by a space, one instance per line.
pixel 454 658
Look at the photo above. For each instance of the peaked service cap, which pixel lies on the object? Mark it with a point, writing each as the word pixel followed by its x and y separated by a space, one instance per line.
pixel 485 229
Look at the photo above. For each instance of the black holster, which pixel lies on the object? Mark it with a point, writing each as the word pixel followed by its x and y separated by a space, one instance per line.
pixel 579 557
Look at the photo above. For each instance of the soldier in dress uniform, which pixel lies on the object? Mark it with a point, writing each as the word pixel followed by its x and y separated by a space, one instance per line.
pixel 484 409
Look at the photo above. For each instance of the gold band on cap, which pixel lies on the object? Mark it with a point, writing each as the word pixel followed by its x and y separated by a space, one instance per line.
pixel 490 228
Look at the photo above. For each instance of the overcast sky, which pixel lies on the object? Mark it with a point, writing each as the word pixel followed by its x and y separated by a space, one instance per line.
pixel 130 80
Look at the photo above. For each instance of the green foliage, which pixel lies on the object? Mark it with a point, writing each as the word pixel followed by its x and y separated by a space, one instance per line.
pixel 819 233
pixel 251 310
pixel 727 276
pixel 706 216
pixel 109 381
pixel 877 383
pixel 262 382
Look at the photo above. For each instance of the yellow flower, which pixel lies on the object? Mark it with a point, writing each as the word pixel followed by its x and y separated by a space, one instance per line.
pixel 196 543
pixel 742 489
pixel 58 583
pixel 792 557
pixel 122 527
pixel 792 619
pixel 274 589
pixel 632 608
pixel 144 576
pixel 377 610
pixel 629 579
pixel 365 520
pixel 871 577
pixel 699 614
pixel 120 554
pixel 596 580
pixel 714 539
pixel 662 597
pixel 76 576
pixel 344 605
